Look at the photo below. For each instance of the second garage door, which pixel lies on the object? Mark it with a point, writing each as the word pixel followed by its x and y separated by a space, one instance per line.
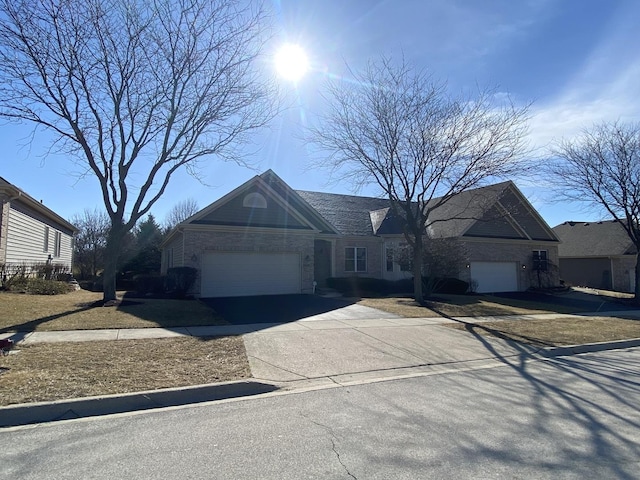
pixel 242 274
pixel 495 276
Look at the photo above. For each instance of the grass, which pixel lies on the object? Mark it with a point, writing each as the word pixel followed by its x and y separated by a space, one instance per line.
pixel 463 306
pixel 54 371
pixel 42 372
pixel 557 331
pixel 80 310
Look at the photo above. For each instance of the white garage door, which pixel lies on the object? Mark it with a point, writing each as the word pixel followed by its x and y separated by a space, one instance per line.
pixel 241 274
pixel 495 276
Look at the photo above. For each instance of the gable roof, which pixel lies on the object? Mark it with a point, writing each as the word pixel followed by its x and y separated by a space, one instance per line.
pixel 593 239
pixel 496 211
pixel 15 193
pixel 284 209
pixel 499 211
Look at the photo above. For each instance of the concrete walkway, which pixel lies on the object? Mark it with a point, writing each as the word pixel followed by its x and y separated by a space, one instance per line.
pixel 335 321
pixel 310 353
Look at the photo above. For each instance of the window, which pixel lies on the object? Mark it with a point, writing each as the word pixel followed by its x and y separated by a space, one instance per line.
pixel 254 200
pixel 355 259
pixel 57 244
pixel 540 260
pixel 389 259
pixel 170 258
pixel 45 248
pixel 406 258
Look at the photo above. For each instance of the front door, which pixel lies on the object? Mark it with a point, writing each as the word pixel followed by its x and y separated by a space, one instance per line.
pixel 322 261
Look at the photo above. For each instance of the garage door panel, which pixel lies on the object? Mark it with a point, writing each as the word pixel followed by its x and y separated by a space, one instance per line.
pixel 238 274
pixel 495 276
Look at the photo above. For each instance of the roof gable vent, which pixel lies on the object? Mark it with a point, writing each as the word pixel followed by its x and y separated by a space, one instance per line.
pixel 254 200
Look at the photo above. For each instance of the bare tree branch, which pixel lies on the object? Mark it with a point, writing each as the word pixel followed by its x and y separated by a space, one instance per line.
pixel 180 212
pixel 135 91
pixel 601 168
pixel 400 129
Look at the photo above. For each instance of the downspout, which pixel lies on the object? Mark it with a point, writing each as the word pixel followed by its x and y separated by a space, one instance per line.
pixel 181 230
pixel 613 283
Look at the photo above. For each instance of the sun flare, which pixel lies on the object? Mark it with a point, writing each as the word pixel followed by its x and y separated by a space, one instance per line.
pixel 291 62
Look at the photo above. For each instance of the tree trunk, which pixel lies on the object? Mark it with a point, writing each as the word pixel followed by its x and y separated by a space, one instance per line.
pixel 636 290
pixel 112 254
pixel 417 272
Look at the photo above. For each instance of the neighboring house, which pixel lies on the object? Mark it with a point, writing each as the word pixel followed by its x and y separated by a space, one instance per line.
pixel 31 234
pixel 265 238
pixel 597 255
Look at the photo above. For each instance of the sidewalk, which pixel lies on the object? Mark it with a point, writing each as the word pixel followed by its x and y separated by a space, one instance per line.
pixel 306 354
pixel 300 325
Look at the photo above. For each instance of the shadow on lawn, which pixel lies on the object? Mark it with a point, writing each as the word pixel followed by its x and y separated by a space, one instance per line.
pixel 31 325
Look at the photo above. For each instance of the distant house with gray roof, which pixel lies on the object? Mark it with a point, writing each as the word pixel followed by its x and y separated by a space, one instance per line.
pixel 596 254
pixel 266 238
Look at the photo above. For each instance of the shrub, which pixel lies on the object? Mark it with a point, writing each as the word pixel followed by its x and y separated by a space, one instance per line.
pixel 38 286
pixel 451 286
pixel 147 283
pixel 179 280
pixel 367 287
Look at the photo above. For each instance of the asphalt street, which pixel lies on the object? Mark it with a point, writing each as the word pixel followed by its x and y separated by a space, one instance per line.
pixel 567 417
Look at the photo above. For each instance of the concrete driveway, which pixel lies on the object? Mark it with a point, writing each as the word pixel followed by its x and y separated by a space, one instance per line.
pixel 288 308
pixel 301 337
pixel 311 349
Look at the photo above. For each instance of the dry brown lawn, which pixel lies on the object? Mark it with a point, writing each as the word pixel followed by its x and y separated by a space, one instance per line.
pixel 54 371
pixel 462 306
pixel 557 332
pixel 80 310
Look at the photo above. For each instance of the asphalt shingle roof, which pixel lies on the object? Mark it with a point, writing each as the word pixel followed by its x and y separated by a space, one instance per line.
pixel 593 239
pixel 354 215
pixel 347 213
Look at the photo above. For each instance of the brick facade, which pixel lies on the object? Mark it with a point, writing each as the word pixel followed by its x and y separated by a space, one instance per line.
pixel 199 242
pixel 518 252
pixel 623 269
pixel 375 262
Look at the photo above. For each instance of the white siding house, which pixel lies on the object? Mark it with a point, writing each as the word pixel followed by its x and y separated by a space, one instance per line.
pixel 32 234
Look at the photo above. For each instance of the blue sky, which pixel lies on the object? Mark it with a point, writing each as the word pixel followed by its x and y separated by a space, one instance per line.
pixel 578 61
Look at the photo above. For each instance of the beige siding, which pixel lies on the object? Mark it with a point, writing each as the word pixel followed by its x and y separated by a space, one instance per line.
pixel 26 241
pixel 173 250
pixel 4 225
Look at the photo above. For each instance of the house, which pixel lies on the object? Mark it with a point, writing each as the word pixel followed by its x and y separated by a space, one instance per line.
pixel 31 234
pixel 597 255
pixel 266 238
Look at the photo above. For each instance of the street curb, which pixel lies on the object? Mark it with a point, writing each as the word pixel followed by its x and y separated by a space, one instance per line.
pixel 43 412
pixel 589 347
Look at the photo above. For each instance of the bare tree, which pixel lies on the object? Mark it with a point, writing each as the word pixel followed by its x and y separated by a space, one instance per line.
pixel 90 242
pixel 601 168
pixel 399 129
pixel 180 212
pixel 135 91
pixel 442 259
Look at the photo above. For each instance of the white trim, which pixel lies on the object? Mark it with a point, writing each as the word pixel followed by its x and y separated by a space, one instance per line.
pixel 355 249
